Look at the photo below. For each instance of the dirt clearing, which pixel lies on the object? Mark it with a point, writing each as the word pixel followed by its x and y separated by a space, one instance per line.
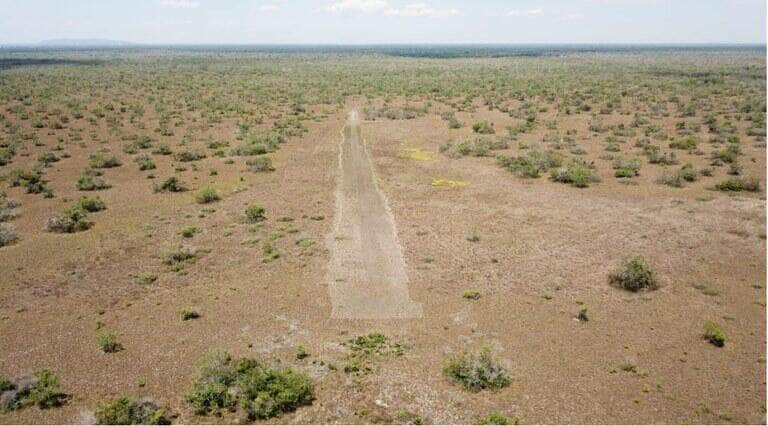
pixel 367 273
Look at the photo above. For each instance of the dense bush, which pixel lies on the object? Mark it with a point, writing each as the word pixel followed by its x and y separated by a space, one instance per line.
pixel 739 184
pixel 635 275
pixel 41 389
pixel 260 164
pixel 206 195
pixel 531 165
pixel 224 383
pixel 73 219
pixel 101 160
pixel 476 371
pixel 90 181
pixel 577 173
pixel 254 213
pixel 172 184
pixel 128 411
pixel 714 334
pixel 91 204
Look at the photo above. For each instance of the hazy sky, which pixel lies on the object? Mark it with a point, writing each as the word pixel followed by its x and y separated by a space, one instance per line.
pixel 385 21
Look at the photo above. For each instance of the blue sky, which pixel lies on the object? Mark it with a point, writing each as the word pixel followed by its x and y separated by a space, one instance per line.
pixel 385 21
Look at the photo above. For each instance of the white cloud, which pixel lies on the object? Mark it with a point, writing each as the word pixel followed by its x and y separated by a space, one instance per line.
pixel 269 8
pixel 357 6
pixel 383 7
pixel 531 12
pixel 180 4
pixel 422 10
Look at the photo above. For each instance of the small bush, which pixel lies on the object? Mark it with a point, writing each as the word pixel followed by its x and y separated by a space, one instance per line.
pixel 714 334
pixel 471 294
pixel 172 184
pixel 178 256
pixel 7 208
pixel 206 195
pixel 739 184
pixel 108 343
pixel 162 149
pixel 483 128
pixel 188 314
pixel 90 182
pixel 497 419
pixel 476 371
pixel 189 231
pixel 223 383
pixel 145 162
pixel 127 411
pixel 188 155
pixel 531 165
pixel 74 219
pixel 91 204
pixel 577 173
pixel 254 213
pixel 7 234
pixel 634 276
pixel 102 161
pixel 626 168
pixel 31 181
pixel 260 164
pixel 41 389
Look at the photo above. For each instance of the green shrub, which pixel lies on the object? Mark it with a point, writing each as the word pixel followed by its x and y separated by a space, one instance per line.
pixel 729 154
pixel 688 173
pixel 577 173
pixel 31 181
pixel 626 168
pixel 714 334
pixel 145 162
pixel 7 208
pixel 254 213
pixel 127 411
pixel 188 314
pixel 7 234
pixel 476 371
pixel 189 231
pixel 74 219
pixel 739 184
pixel 374 344
pixel 177 256
pixel 91 204
pixel 223 383
pixel 162 149
pixel 483 128
pixel 531 165
pixel 471 294
pixel 102 161
pixel 172 184
pixel 89 181
pixel 673 179
pixel 688 143
pixel 189 155
pixel 635 275
pixel 206 195
pixel 47 159
pixel 41 389
pixel 260 164
pixel 108 343
pixel 497 419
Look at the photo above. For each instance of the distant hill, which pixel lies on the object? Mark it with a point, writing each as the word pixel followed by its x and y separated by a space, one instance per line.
pixel 84 42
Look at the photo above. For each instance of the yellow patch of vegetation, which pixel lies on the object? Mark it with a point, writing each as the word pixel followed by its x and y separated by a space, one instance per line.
pixel 449 183
pixel 417 154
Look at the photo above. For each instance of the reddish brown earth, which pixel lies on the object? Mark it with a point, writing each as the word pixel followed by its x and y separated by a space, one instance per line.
pixel 544 252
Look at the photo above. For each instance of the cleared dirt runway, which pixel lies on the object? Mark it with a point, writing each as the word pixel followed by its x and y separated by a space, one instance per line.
pixel 367 273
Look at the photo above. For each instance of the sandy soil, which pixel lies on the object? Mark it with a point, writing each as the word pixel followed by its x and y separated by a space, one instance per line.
pixel 543 252
pixel 367 272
